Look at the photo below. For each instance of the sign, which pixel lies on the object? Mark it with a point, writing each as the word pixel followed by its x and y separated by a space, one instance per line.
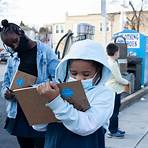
pixel 132 39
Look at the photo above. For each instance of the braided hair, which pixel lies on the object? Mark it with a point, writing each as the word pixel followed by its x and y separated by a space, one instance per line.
pixel 10 27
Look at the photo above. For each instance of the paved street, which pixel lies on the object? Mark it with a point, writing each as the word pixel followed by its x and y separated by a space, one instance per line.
pixel 6 141
pixel 134 120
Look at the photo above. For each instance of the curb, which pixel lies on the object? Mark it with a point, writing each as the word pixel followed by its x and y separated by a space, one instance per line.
pixel 129 100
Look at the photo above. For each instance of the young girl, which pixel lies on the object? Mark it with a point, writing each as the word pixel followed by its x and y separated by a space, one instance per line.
pixel 34 58
pixel 86 61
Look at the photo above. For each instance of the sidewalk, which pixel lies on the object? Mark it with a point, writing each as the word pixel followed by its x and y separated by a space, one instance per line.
pixel 134 120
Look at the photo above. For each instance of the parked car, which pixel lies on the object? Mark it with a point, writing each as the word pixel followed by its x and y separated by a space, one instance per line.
pixel 4 55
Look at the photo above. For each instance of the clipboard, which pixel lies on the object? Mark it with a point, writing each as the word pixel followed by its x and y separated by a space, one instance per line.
pixel 34 105
pixel 21 80
pixel 74 93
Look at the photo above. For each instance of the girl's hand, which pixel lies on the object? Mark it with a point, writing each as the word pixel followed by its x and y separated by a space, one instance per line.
pixel 49 90
pixel 9 95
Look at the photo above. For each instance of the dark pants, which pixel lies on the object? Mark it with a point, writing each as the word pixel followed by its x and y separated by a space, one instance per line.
pixel 58 136
pixel 27 137
pixel 113 126
pixel 31 142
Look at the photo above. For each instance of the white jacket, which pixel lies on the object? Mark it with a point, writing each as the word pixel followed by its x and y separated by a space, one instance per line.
pixel 101 99
pixel 116 82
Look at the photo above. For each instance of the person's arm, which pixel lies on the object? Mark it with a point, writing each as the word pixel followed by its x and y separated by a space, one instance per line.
pixel 6 93
pixel 84 123
pixel 52 62
pixel 6 81
pixel 117 75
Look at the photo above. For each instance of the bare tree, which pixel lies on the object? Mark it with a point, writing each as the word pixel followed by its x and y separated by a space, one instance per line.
pixel 135 20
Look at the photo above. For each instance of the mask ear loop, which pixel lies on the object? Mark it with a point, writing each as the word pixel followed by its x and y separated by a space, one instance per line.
pixel 98 76
pixel 99 73
pixel 93 78
pixel 97 81
pixel 67 68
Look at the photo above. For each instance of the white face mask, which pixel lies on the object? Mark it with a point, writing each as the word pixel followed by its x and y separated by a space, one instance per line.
pixel 87 84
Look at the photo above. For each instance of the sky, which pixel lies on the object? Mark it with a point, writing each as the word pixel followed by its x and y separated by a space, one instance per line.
pixel 41 12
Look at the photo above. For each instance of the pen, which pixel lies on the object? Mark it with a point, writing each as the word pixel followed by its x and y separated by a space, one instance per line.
pixel 59 80
pixel 50 78
pixel 9 89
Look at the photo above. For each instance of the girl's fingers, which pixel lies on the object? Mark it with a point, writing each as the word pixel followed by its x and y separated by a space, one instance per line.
pixel 49 90
pixel 46 87
pixel 54 86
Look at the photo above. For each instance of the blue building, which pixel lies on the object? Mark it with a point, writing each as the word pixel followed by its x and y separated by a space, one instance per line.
pixel 137 46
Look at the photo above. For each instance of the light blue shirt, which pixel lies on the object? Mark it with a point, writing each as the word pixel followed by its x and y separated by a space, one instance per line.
pixel 46 64
pixel 101 98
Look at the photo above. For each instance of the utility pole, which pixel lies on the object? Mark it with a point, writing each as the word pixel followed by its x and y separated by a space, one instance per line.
pixel 123 5
pixel 104 20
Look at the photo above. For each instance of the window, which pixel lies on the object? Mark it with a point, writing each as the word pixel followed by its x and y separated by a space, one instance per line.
pixel 62 29
pixel 107 27
pixel 101 29
pixel 57 29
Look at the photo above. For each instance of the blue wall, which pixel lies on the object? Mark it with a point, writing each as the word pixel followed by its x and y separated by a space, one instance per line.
pixel 139 52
